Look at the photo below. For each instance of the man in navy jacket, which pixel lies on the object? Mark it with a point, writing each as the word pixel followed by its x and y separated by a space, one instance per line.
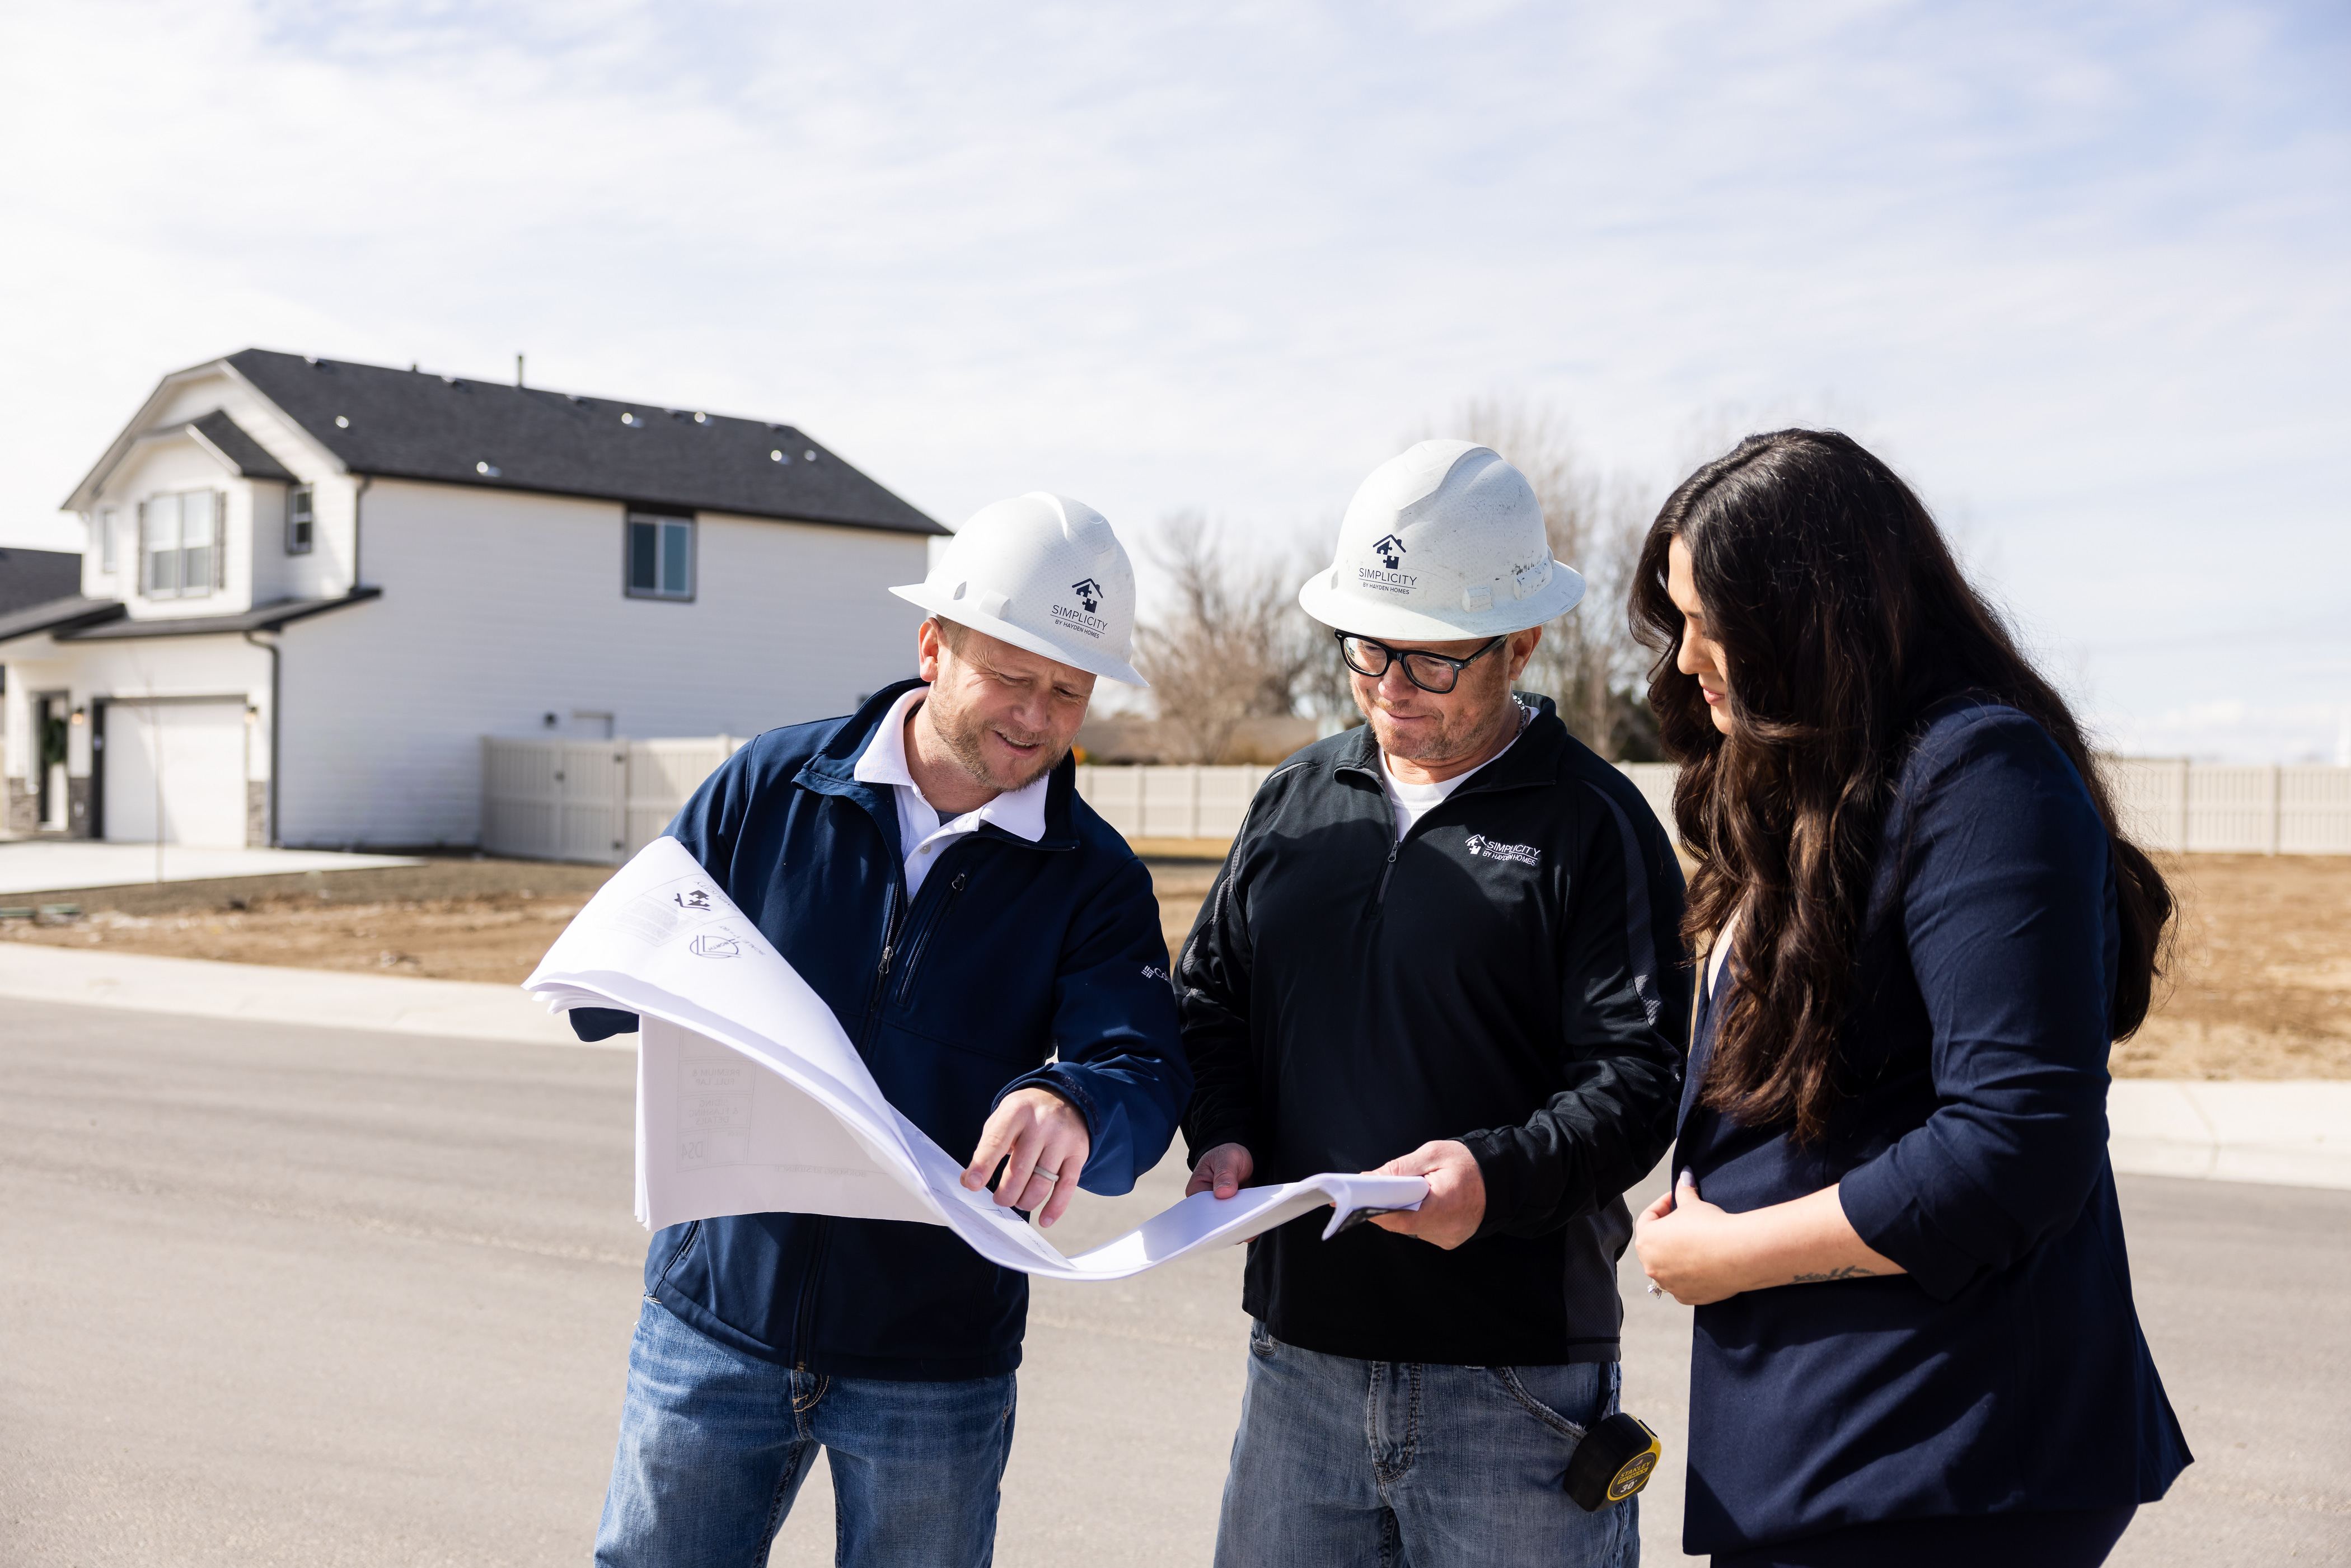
pixel 993 947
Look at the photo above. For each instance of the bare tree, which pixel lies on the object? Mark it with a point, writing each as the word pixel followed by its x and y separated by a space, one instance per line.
pixel 1233 645
pixel 1588 662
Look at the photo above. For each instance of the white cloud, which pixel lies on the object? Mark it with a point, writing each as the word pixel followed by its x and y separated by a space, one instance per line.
pixel 2078 270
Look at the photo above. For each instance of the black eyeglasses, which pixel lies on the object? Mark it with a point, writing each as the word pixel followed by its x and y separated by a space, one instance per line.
pixel 1429 671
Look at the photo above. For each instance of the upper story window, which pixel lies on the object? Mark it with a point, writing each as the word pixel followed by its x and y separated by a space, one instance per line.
pixel 660 558
pixel 179 544
pixel 298 518
pixel 106 524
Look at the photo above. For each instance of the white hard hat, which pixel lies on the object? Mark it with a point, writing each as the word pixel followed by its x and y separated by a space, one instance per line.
pixel 1042 572
pixel 1444 541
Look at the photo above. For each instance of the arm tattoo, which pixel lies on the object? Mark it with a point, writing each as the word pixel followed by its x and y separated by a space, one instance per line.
pixel 1851 1271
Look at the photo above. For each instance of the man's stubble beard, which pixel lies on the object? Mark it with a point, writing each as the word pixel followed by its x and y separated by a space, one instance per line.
pixel 961 735
pixel 1446 743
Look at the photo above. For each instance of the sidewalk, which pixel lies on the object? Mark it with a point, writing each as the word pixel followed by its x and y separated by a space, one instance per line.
pixel 2295 1134
pixel 321 998
pixel 44 865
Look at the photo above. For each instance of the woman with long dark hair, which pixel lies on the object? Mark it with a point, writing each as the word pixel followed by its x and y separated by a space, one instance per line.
pixel 1923 930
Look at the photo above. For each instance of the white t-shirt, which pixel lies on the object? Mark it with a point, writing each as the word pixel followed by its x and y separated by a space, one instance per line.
pixel 921 834
pixel 1411 802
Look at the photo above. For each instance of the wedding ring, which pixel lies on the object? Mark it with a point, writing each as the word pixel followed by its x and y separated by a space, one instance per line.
pixel 1046 1175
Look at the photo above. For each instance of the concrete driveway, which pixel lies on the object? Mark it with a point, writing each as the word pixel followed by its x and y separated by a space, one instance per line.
pixel 279 1293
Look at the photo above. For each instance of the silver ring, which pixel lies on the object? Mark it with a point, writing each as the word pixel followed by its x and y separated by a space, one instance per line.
pixel 1046 1175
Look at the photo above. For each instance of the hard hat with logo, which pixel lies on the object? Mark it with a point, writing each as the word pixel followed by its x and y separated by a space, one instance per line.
pixel 1444 541
pixel 1042 572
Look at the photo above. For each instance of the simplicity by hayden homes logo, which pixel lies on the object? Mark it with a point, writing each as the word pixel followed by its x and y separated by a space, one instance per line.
pixel 1091 595
pixel 1386 578
pixel 1525 854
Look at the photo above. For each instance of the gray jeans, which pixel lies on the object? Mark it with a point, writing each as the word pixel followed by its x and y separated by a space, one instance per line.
pixel 1373 1464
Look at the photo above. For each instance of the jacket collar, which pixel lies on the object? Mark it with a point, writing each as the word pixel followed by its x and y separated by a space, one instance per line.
pixel 834 771
pixel 1533 758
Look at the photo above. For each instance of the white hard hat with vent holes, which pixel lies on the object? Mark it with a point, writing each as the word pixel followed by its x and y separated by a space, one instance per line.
pixel 1041 572
pixel 1445 541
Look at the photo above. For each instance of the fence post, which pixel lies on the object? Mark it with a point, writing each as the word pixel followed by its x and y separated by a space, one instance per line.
pixel 2277 807
pixel 2186 784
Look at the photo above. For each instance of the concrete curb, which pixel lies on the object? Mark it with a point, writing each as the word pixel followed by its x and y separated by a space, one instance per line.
pixel 2294 1133
pixel 320 997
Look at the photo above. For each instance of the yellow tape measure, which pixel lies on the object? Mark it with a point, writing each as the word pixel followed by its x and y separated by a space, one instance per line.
pixel 1615 1460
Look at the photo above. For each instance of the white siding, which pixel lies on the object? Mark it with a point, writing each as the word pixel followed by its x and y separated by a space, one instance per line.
pixel 498 608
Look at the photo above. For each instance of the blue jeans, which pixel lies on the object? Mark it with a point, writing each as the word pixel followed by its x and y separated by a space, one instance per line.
pixel 1374 1464
pixel 714 1445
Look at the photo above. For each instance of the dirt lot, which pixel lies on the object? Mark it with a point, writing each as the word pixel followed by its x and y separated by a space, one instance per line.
pixel 2260 984
pixel 451 919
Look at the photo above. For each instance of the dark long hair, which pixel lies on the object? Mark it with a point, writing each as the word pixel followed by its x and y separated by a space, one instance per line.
pixel 1843 618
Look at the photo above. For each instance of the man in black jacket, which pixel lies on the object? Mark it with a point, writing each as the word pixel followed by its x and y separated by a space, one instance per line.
pixel 1445 945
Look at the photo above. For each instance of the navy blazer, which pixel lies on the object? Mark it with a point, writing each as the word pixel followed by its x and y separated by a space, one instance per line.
pixel 2005 1371
pixel 1017 964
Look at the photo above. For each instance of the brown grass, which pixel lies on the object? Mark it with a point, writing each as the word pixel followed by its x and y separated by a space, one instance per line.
pixel 2260 980
pixel 2260 974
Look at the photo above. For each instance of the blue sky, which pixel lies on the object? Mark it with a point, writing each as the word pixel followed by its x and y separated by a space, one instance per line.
pixel 2080 272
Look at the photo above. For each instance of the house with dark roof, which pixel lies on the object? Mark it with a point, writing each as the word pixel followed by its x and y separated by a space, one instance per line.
pixel 312 587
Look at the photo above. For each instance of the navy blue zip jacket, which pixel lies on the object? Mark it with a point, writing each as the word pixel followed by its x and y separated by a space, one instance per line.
pixel 2005 1373
pixel 1012 953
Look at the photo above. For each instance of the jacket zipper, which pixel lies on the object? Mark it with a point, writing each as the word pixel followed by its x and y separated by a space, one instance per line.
pixel 922 943
pixel 1379 899
pixel 804 1327
pixel 894 917
pixel 804 1320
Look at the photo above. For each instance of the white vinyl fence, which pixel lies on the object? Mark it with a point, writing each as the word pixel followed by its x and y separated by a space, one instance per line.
pixel 2297 809
pixel 1172 802
pixel 603 800
pixel 596 800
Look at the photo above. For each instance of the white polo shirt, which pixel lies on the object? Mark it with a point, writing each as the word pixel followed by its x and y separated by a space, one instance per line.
pixel 920 833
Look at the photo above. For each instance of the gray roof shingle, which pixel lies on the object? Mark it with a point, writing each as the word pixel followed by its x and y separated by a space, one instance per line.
pixel 71 610
pixel 30 577
pixel 260 618
pixel 450 430
pixel 228 438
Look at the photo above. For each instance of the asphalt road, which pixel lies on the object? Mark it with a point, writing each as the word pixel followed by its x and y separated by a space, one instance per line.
pixel 277 1295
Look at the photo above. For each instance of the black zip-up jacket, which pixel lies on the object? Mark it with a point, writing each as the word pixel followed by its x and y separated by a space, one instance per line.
pixel 1509 973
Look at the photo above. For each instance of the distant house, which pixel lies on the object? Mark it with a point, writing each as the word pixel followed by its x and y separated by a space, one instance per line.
pixel 311 586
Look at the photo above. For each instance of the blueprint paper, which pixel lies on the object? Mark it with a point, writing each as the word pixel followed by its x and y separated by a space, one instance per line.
pixel 751 1100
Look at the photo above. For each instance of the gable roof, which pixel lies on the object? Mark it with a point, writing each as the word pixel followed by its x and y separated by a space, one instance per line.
pixel 238 450
pixel 406 424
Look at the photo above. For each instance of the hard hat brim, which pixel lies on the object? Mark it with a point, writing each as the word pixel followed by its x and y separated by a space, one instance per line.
pixel 1349 612
pixel 964 612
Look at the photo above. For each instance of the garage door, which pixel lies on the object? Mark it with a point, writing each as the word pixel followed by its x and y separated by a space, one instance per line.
pixel 179 765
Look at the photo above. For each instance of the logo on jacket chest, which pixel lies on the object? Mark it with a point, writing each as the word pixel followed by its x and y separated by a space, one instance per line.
pixel 1478 844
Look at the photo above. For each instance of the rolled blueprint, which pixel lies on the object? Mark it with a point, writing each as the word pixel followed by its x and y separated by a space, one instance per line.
pixel 751 1099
